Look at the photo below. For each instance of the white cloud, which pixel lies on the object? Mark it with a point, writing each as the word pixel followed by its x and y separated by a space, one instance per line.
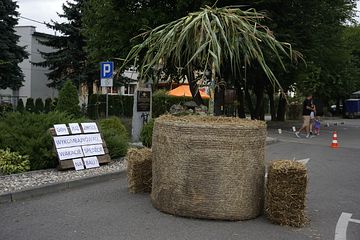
pixel 40 10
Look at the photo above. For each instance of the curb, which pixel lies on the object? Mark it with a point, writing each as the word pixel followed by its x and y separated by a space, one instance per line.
pixel 56 187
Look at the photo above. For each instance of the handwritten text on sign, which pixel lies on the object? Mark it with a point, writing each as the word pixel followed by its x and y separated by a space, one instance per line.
pixel 61 129
pixel 89 127
pixel 91 162
pixel 77 140
pixel 69 153
pixel 78 164
pixel 93 150
pixel 75 128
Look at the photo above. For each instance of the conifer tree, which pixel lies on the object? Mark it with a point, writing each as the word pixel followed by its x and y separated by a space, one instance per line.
pixel 68 99
pixel 11 54
pixel 48 103
pixel 30 106
pixel 39 105
pixel 69 61
pixel 20 106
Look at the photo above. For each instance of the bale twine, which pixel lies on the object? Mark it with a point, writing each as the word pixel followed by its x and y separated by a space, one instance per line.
pixel 139 170
pixel 286 193
pixel 208 167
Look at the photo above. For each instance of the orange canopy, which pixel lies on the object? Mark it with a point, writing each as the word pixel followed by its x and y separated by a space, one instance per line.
pixel 184 91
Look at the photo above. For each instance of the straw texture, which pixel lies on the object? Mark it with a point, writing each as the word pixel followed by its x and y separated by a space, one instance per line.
pixel 139 170
pixel 286 193
pixel 208 167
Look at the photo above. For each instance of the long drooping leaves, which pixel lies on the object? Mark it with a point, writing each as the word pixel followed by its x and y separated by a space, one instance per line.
pixel 210 38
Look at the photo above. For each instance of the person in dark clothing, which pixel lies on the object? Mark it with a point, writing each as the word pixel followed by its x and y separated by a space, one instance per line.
pixel 307 109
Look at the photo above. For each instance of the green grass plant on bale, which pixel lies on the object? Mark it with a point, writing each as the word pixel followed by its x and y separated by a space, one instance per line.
pixel 28 134
pixel 146 133
pixel 115 135
pixel 286 193
pixel 13 162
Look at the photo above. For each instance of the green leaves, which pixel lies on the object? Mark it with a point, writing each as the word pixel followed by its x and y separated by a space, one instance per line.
pixel 216 36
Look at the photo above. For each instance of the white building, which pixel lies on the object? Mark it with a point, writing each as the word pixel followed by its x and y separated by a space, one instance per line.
pixel 35 79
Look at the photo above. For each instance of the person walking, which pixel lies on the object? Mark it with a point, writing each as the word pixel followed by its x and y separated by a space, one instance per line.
pixel 307 109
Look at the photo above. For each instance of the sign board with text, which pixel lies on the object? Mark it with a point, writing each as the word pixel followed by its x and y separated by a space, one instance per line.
pixel 143 101
pixel 79 146
pixel 106 74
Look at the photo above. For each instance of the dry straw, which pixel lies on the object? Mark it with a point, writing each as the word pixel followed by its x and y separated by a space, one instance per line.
pixel 139 170
pixel 208 167
pixel 286 193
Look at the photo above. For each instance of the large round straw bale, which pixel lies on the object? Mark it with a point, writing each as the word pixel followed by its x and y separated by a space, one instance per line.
pixel 286 193
pixel 139 170
pixel 208 167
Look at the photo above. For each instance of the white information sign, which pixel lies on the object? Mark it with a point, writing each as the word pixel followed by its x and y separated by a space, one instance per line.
pixel 77 140
pixel 61 129
pixel 78 163
pixel 93 150
pixel 69 153
pixel 91 162
pixel 89 127
pixel 75 128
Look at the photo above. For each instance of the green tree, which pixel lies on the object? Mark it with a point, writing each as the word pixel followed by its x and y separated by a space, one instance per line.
pixel 30 106
pixel 20 106
pixel 209 39
pixel 39 105
pixel 11 54
pixel 69 61
pixel 68 99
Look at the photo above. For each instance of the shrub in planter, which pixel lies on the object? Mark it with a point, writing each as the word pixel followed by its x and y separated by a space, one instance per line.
pixel 146 133
pixel 30 106
pixel 115 136
pixel 13 162
pixel 39 105
pixel 28 134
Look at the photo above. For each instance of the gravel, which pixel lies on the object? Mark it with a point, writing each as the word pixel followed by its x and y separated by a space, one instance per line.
pixel 33 179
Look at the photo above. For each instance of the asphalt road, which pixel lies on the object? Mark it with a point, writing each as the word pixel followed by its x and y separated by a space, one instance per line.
pixel 107 211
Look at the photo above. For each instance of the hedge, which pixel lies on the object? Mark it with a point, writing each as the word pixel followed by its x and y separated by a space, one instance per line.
pixel 121 105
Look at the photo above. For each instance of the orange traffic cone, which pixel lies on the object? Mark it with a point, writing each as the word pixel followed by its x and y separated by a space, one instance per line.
pixel 334 143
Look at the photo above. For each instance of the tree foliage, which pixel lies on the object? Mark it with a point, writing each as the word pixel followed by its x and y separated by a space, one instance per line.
pixel 69 60
pixel 11 54
pixel 68 100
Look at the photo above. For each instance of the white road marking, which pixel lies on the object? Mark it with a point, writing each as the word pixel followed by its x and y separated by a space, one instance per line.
pixel 342 224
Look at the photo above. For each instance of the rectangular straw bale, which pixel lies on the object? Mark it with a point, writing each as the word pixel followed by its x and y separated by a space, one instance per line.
pixel 139 170
pixel 286 193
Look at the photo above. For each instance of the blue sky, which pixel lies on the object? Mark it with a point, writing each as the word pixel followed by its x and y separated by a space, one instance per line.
pixel 45 10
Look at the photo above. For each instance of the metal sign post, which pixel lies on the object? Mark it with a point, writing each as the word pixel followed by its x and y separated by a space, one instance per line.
pixel 106 78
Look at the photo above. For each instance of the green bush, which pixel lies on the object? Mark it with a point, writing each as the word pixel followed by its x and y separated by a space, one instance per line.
pixel 47 107
pixel 39 105
pixel 122 105
pixel 146 133
pixel 68 99
pixel 5 107
pixel 30 106
pixel 115 136
pixel 20 106
pixel 28 134
pixel 13 162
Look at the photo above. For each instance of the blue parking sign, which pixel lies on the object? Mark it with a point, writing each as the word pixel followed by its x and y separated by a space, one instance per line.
pixel 106 70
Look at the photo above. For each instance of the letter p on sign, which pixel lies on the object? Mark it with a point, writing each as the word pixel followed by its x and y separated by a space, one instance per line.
pixel 106 73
